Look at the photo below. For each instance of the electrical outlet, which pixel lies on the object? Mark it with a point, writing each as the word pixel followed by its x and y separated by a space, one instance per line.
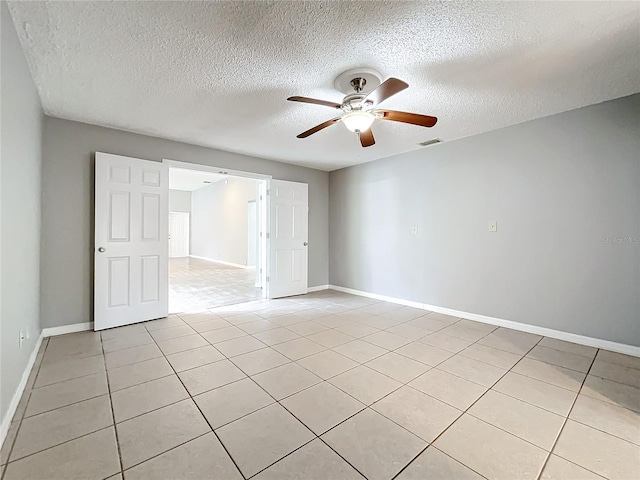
pixel 21 338
pixel 414 230
pixel 493 226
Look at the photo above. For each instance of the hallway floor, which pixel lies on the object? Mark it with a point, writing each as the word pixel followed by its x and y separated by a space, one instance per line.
pixel 324 386
pixel 196 284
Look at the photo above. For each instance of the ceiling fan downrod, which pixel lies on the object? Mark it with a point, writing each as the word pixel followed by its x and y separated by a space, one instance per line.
pixel 358 84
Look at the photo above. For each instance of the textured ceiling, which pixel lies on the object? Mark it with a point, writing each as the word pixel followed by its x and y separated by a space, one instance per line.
pixel 218 73
pixel 190 180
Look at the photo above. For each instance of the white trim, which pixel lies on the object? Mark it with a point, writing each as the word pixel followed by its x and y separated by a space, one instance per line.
pixel 231 264
pixel 15 400
pixel 72 328
pixel 208 168
pixel 523 327
pixel 317 289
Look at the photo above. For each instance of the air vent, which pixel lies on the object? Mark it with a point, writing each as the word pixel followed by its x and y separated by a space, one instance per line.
pixel 430 142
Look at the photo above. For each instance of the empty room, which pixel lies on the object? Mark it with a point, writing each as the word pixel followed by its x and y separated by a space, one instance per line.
pixel 320 240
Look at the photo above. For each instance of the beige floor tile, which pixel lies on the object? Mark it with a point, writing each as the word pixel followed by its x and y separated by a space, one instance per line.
pixel 511 341
pixel 262 438
pixel 58 426
pixel 259 361
pixel 398 367
pixel 280 382
pixel 619 359
pixel 365 384
pixel 298 348
pixel 433 321
pixel 238 346
pixel 613 392
pixel 62 352
pixel 156 432
pixel 276 336
pixel 66 370
pixel 421 414
pixel 409 332
pixel 357 329
pixel 230 402
pixel 360 351
pixel 381 308
pixel 574 348
pixel 445 342
pixel 472 370
pixel 125 331
pixel 88 457
pixel 132 355
pixel 405 314
pixel 257 326
pixel 615 372
pixel 480 327
pixel 213 375
pixel 327 364
pixel 561 377
pixel 560 358
pixel 134 401
pixel 7 444
pixel 322 407
pixel 599 452
pixel 287 319
pixel 65 393
pixel 212 324
pixel 243 318
pixel 126 341
pixel 203 457
pixel 223 334
pixel 465 333
pixel 168 322
pixel 314 461
pixel 541 394
pixel 379 322
pixel 557 468
pixel 424 353
pixel 330 338
pixel 181 344
pixel 374 445
pixel 433 464
pixel 198 317
pixel 311 313
pixel 172 332
pixel 484 448
pixel 448 388
pixel 197 357
pixel 307 328
pixel 521 419
pixel 141 372
pixel 617 421
pixel 492 356
pixel 384 339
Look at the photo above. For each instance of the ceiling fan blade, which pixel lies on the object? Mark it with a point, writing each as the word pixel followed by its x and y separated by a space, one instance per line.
pixel 404 117
pixel 386 89
pixel 315 101
pixel 317 128
pixel 366 138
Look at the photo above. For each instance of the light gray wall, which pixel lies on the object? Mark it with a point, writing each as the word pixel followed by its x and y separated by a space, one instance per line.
pixel 68 207
pixel 179 201
pixel 20 212
pixel 219 220
pixel 559 187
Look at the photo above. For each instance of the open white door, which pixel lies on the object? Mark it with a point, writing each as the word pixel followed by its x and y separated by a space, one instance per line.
pixel 131 235
pixel 289 217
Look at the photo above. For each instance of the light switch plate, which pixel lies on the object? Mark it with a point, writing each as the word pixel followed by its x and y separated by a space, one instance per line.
pixel 493 226
pixel 414 230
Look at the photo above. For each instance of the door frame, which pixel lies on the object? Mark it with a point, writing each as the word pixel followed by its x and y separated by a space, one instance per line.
pixel 264 187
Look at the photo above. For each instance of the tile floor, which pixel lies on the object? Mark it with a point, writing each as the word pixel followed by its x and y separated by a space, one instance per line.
pixel 324 386
pixel 199 284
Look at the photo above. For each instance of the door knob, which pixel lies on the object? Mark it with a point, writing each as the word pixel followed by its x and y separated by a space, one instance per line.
pixel 102 249
pixel 305 244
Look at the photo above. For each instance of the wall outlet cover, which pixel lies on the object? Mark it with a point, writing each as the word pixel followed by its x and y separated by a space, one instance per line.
pixel 493 226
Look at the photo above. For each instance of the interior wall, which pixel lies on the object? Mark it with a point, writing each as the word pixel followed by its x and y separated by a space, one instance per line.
pixel 179 201
pixel 19 213
pixel 68 206
pixel 565 192
pixel 219 220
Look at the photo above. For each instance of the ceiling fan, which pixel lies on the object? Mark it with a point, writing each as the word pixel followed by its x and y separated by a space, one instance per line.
pixel 360 109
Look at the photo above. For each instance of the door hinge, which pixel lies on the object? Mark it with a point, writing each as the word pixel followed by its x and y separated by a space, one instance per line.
pixel 269 191
pixel 268 236
pixel 267 279
pixel 260 197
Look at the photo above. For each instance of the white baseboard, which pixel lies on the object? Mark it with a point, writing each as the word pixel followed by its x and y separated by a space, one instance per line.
pixel 523 327
pixel 15 400
pixel 73 328
pixel 317 289
pixel 231 264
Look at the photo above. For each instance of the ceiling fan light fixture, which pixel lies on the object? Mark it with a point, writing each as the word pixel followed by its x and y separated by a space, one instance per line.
pixel 358 120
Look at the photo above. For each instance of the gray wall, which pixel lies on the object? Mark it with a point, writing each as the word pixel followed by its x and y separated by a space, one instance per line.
pixel 20 212
pixel 67 220
pixel 219 220
pixel 564 190
pixel 179 201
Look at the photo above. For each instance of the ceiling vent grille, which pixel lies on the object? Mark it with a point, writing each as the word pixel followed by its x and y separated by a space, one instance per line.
pixel 430 142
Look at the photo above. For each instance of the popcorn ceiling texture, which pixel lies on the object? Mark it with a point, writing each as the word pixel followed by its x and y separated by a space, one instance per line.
pixel 218 73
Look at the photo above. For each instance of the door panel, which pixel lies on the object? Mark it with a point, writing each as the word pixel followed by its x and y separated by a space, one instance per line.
pixel 178 234
pixel 131 230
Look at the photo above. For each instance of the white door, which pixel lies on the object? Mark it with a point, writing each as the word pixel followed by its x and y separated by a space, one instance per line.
pixel 131 230
pixel 178 234
pixel 289 215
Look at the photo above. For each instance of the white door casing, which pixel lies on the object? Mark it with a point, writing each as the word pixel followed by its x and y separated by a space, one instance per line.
pixel 289 215
pixel 178 234
pixel 131 240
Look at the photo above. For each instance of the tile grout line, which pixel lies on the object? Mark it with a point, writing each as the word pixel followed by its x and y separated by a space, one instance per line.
pixel 113 416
